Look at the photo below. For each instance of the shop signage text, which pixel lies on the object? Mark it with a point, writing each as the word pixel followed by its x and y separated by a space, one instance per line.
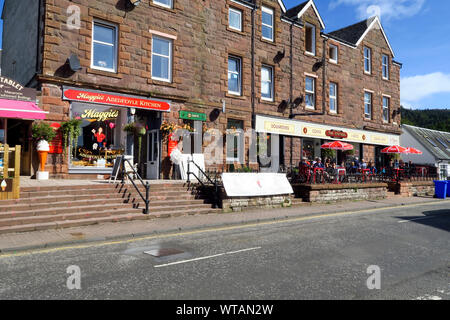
pixel 100 116
pixel 336 134
pixel 12 90
pixel 110 99
pixel 188 115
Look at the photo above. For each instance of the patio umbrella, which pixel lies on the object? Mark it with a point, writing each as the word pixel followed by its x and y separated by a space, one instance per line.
pixel 394 149
pixel 337 145
pixel 413 151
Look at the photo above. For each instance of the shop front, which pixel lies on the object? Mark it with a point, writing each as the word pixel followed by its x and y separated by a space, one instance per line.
pixel 111 125
pixel 18 110
pixel 313 136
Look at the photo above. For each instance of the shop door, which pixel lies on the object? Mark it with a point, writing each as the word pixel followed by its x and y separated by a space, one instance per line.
pixel 153 148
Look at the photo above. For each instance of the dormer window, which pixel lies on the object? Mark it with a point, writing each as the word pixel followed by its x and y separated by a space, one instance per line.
pixel 267 24
pixel 310 39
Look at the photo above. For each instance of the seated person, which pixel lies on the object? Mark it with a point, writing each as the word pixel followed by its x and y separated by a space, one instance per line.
pixel 371 167
pixel 363 164
pixel 319 164
pixel 353 167
pixel 304 163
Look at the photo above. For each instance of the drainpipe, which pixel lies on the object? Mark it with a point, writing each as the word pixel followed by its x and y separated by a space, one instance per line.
pixel 253 67
pixel 324 75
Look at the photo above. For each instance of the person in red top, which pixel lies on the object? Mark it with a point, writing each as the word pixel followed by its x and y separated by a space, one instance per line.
pixel 100 137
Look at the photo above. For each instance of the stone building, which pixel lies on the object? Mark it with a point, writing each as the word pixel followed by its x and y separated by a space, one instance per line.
pixel 220 64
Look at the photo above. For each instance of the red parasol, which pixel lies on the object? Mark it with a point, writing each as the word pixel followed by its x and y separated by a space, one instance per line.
pixel 394 149
pixel 413 151
pixel 337 145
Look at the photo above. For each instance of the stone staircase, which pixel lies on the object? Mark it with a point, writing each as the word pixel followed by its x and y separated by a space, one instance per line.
pixel 55 207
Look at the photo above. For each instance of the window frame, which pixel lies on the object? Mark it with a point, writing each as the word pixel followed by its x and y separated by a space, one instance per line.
pixel 271 81
pixel 232 9
pixel 313 107
pixel 239 75
pixel 383 66
pixel 272 27
pixel 388 107
pixel 368 116
pixel 115 45
pixel 170 6
pixel 336 48
pixel 369 50
pixel 170 57
pixel 335 97
pixel 313 38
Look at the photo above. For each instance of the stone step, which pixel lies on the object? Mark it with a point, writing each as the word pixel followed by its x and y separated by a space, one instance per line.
pixel 98 220
pixel 33 206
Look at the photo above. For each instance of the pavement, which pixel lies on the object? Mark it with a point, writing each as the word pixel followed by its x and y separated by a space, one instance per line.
pixel 395 253
pixel 16 242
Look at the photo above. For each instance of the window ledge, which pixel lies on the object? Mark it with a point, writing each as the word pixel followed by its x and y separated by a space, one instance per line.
pixel 161 83
pixel 242 33
pixel 267 101
pixel 268 41
pixel 235 96
pixel 154 5
pixel 104 73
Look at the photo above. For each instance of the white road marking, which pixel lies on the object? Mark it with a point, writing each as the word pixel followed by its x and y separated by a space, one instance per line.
pixel 403 221
pixel 207 257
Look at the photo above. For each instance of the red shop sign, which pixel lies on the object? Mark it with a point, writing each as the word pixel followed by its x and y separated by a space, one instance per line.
pixel 112 99
pixel 56 145
pixel 336 134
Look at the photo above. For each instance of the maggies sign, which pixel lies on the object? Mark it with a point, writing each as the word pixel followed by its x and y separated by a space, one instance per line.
pixel 336 134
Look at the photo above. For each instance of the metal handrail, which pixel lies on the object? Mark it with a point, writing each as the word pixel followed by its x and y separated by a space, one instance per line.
pixel 214 183
pixel 146 185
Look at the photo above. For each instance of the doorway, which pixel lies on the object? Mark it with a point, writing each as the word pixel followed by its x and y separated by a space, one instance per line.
pixel 153 153
pixel 19 133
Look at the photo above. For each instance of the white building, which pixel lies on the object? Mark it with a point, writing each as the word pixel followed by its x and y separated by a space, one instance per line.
pixel 435 146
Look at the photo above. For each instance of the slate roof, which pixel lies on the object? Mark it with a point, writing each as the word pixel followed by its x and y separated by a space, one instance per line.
pixel 353 33
pixel 432 140
pixel 293 12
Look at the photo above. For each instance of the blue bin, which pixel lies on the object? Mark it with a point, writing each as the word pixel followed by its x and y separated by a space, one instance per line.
pixel 440 189
pixel 448 188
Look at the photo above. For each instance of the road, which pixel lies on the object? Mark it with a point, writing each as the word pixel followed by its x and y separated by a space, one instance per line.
pixel 323 257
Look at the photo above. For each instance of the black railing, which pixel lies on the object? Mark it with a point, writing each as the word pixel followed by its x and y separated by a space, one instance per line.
pixel 146 185
pixel 214 183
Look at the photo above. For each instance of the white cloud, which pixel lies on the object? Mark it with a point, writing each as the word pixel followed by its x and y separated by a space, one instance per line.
pixel 386 9
pixel 414 89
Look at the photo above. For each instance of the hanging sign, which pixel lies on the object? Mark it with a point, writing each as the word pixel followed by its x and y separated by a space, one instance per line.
pixel 188 115
pixel 56 145
pixel 113 99
pixel 12 90
pixel 336 134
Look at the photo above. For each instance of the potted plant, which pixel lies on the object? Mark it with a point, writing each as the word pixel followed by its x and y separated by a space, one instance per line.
pixel 43 133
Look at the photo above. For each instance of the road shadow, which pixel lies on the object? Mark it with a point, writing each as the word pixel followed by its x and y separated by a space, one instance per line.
pixel 439 219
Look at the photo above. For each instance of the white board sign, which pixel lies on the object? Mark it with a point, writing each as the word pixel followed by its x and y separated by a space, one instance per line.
pixel 256 184
pixel 199 159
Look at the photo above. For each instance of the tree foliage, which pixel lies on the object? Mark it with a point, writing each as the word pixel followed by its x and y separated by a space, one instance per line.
pixel 435 119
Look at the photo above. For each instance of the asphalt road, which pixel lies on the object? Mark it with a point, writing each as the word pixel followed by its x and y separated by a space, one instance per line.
pixel 325 257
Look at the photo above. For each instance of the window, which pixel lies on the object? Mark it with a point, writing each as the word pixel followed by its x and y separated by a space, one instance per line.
pixel 235 19
pixel 104 47
pixel 386 103
pixel 267 24
pixel 368 105
pixel 164 3
pixel 310 38
pixel 310 92
pixel 385 64
pixel 267 83
pixel 442 142
pixel 333 97
pixel 333 53
pixel 432 142
pixel 235 141
pixel 234 75
pixel 161 59
pixel 367 60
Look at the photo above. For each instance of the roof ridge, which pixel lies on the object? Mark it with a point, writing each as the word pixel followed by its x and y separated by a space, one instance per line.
pixel 352 25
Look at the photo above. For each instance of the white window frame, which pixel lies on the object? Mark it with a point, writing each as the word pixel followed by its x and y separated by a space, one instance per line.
pixel 313 107
pixel 115 45
pixel 239 93
pixel 369 58
pixel 170 41
pixel 170 6
pixel 385 65
pixel 270 81
pixel 271 12
pixel 240 19
pixel 388 107
pixel 336 49
pixel 335 97
pixel 313 39
pixel 368 116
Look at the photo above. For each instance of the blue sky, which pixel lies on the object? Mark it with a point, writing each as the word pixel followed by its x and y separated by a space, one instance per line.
pixel 419 32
